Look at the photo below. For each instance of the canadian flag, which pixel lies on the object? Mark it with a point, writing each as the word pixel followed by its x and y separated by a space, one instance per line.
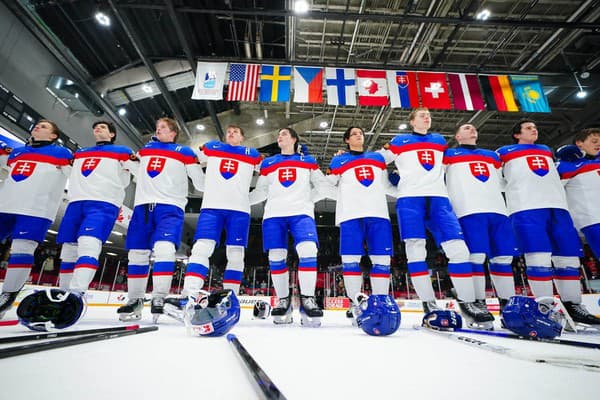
pixel 372 87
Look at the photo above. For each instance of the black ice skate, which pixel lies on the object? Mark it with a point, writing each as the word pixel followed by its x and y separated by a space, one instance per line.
pixel 6 302
pixel 282 312
pixel 156 308
pixel 310 313
pixel 429 306
pixel 352 312
pixel 132 311
pixel 174 306
pixel 580 314
pixel 475 316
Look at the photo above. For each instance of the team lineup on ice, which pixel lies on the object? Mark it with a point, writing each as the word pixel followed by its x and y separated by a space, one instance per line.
pixel 476 203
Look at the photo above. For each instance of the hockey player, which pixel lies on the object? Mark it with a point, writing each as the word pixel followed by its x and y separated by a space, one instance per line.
pixel 579 169
pixel 225 205
pixel 362 214
pixel 29 200
pixel 157 220
pixel 97 185
pixel 423 204
pixel 474 182
pixel 544 229
pixel 285 182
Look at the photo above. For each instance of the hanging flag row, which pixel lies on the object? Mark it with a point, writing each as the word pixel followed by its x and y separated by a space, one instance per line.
pixel 368 87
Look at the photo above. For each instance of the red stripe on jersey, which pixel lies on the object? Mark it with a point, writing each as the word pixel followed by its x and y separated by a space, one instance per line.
pixel 240 157
pixel 102 154
pixel 502 273
pixel 288 164
pixel 197 275
pixel 169 154
pixel 89 266
pixel 19 265
pixel 352 273
pixel 541 278
pixel 522 153
pixel 418 146
pixel 584 169
pixel 470 158
pixel 40 158
pixel 422 273
pixel 358 163
pixel 465 275
pixel 279 271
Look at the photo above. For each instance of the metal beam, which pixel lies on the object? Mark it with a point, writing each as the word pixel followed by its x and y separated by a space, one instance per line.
pixel 190 58
pixel 137 44
pixel 374 16
pixel 79 73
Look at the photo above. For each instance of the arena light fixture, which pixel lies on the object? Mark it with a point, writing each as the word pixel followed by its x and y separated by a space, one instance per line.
pixel 260 121
pixel 122 111
pixel 102 19
pixel 483 15
pixel 323 124
pixel 301 6
pixel 147 88
pixel 402 126
pixel 200 127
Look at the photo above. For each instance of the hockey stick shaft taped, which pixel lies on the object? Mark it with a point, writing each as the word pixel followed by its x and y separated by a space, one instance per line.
pixel 52 335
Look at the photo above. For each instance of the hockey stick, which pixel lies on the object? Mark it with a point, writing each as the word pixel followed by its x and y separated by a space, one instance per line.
pixel 513 353
pixel 57 344
pixel 532 339
pixel 265 384
pixel 52 335
pixel 9 322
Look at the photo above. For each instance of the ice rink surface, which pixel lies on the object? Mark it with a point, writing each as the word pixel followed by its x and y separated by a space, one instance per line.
pixel 335 361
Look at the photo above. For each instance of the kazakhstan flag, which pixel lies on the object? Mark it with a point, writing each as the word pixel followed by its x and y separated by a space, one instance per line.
pixel 529 93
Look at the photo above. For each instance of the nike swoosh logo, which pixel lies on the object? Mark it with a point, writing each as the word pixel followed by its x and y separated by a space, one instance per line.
pixel 22 233
pixel 167 234
pixel 510 149
pixel 89 229
pixel 405 141
pixel 343 162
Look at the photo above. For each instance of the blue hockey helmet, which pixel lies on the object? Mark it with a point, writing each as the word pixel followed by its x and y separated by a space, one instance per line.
pixel 442 320
pixel 44 310
pixel 530 318
pixel 378 315
pixel 213 315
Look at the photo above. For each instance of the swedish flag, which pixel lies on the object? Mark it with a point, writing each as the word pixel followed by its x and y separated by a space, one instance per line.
pixel 275 83
pixel 529 93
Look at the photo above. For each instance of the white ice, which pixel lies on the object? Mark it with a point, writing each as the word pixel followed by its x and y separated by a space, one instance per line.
pixel 335 361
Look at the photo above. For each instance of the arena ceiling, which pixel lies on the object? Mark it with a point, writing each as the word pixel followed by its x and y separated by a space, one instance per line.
pixel 154 43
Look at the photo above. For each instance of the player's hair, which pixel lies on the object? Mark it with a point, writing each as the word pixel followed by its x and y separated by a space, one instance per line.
pixel 347 133
pixel 516 129
pixel 172 124
pixel 585 133
pixel 293 134
pixel 458 126
pixel 111 128
pixel 236 126
pixel 414 112
pixel 55 128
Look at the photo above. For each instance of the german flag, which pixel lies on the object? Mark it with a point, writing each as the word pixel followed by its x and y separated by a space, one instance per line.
pixel 498 93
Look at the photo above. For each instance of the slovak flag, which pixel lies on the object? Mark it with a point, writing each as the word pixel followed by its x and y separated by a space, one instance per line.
pixel 228 168
pixel 22 170
pixel 480 171
pixel 403 89
pixel 287 176
pixel 341 86
pixel 155 166
pixel 372 87
pixel 426 158
pixel 434 90
pixel 539 165
pixel 364 175
pixel 89 165
pixel 308 84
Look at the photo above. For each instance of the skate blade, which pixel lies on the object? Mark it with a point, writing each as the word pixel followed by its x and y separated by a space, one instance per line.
pixel 310 322
pixel 481 326
pixel 129 317
pixel 155 318
pixel 283 319
pixel 173 312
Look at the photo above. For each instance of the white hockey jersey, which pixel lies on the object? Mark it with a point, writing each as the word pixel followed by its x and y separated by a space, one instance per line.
pixel 418 159
pixel 362 182
pixel 229 171
pixel 101 173
pixel 163 174
pixel 36 180
pixel 474 181
pixel 532 181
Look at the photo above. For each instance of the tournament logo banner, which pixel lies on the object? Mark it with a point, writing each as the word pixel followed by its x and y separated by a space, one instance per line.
pixel 22 170
pixel 426 158
pixel 89 165
pixel 364 175
pixel 228 168
pixel 480 171
pixel 287 176
pixel 539 165
pixel 155 166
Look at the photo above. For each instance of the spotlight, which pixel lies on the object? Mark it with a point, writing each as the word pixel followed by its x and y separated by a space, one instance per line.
pixel 300 6
pixel 581 94
pixel 323 124
pixel 402 126
pixel 122 111
pixel 102 19
pixel 200 127
pixel 483 15
pixel 147 88
pixel 260 121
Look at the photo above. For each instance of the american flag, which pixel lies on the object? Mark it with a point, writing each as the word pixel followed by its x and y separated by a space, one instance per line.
pixel 243 79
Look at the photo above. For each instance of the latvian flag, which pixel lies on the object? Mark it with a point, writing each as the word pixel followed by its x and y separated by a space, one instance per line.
pixel 465 92
pixel 372 87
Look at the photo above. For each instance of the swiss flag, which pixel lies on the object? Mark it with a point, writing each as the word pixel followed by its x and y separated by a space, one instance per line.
pixel 372 87
pixel 89 165
pixel 228 168
pixel 434 90
pixel 287 176
pixel 480 171
pixel 539 165
pixel 426 158
pixel 364 175
pixel 22 170
pixel 155 166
